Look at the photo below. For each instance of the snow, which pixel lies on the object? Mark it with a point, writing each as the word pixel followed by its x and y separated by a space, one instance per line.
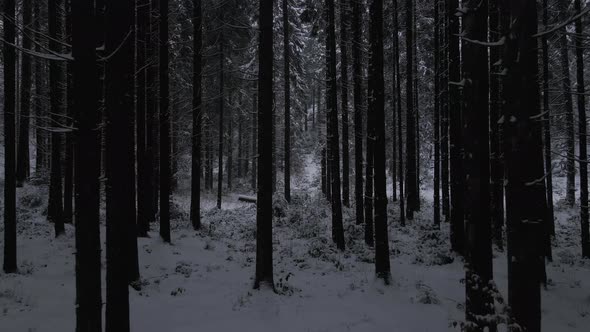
pixel 203 281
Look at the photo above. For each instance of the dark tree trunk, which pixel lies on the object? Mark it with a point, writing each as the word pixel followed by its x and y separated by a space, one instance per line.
pixel 9 53
pixel 332 108
pixel 165 156
pixel 287 78
pixel 369 179
pixel 416 107
pixel 444 132
pixel 23 158
pixel 358 112
pixel 479 276
pixel 436 116
pixel 324 172
pixel 547 123
pixel 412 172
pixel 221 102
pixel 87 164
pixel 197 117
pixel 264 273
pixel 377 107
pixel 143 200
pixel 69 138
pixel 400 139
pixel 570 197
pixel 151 114
pixel 55 205
pixel 496 172
pixel 119 83
pixel 394 100
pixel 456 142
pixel 582 135
pixel 344 26
pixel 526 195
pixel 254 141
pixel 40 90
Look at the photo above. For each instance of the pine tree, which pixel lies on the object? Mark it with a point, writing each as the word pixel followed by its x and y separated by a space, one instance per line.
pixel 165 146
pixel 411 149
pixel 197 117
pixel 344 27
pixel 436 116
pixel 23 159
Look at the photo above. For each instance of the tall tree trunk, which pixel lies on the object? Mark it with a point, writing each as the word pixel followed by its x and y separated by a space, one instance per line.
pixel 55 205
pixel 40 90
pixel 143 205
pixel 570 197
pixel 119 83
pixel 151 114
pixel 69 138
pixel 87 164
pixel 254 141
pixel 547 122
pixel 344 26
pixel 456 142
pixel 358 111
pixel 23 158
pixel 444 105
pixel 582 134
pixel 287 78
pixel 496 173
pixel 479 272
pixel 230 135
pixel 398 97
pixel 9 265
pixel 221 102
pixel 377 107
pixel 332 108
pixel 412 172
pixel 526 196
pixel 264 270
pixel 165 156
pixel 197 116
pixel 436 116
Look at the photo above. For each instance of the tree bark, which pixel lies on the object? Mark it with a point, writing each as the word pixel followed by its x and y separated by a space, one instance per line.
pixel 358 112
pixel 344 26
pixel 23 158
pixel 287 87
pixel 412 172
pixel 165 156
pixel 197 116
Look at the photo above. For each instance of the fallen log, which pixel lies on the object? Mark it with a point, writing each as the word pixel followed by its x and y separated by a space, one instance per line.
pixel 247 199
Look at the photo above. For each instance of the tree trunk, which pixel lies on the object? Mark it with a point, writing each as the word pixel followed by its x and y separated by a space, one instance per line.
pixel 87 164
pixel 582 135
pixel 479 276
pixel 444 132
pixel 344 26
pixel 197 117
pixel 400 139
pixel 165 156
pixel 570 197
pixel 287 78
pixel 9 265
pixel 40 90
pixel 55 205
pixel 332 108
pixel 69 139
pixel 143 205
pixel 254 141
pixel 436 116
pixel 23 161
pixel 221 102
pixel 412 172
pixel 264 268
pixel 377 107
pixel 456 142
pixel 547 123
pixel 526 196
pixel 358 112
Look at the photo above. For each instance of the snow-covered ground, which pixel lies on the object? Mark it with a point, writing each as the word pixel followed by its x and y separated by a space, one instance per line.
pixel 203 282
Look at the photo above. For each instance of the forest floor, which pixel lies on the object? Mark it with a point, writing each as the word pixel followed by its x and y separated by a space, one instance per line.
pixel 203 281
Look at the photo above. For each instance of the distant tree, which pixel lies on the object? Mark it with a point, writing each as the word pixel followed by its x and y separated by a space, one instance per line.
pixel 358 113
pixel 436 116
pixel 23 158
pixel 264 264
pixel 411 149
pixel 344 45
